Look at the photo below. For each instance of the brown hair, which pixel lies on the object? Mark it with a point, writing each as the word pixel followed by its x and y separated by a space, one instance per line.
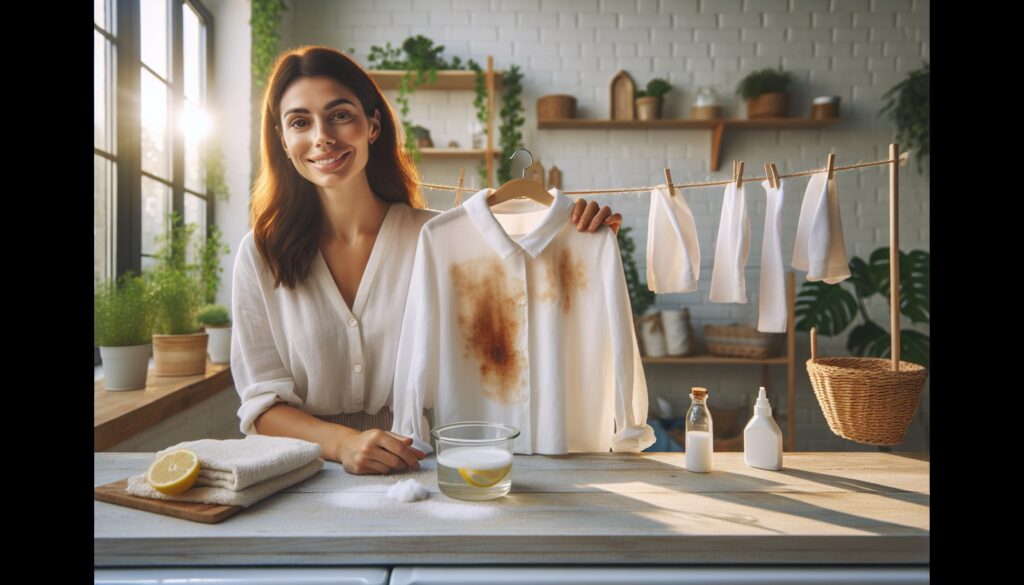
pixel 286 212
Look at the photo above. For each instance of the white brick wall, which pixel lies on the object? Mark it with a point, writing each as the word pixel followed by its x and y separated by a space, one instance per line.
pixel 856 49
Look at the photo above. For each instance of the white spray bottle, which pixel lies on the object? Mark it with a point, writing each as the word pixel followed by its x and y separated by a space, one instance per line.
pixel 762 439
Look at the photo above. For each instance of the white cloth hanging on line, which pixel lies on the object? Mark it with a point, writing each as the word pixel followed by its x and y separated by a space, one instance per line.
pixel 772 313
pixel 728 282
pixel 820 248
pixel 673 253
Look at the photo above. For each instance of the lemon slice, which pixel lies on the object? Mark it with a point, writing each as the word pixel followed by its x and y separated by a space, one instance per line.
pixel 174 473
pixel 484 478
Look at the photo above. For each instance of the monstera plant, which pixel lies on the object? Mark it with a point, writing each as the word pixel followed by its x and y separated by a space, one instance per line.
pixel 833 308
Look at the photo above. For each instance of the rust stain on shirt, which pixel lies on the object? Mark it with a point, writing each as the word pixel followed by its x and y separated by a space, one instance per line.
pixel 565 276
pixel 489 318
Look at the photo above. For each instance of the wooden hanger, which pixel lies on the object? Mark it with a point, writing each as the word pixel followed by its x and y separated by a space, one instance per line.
pixel 458 191
pixel 517 188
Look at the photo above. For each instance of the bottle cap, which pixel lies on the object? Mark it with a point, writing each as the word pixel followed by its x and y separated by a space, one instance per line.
pixel 698 391
pixel 762 406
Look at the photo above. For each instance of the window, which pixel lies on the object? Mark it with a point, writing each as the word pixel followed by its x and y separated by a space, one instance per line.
pixel 152 68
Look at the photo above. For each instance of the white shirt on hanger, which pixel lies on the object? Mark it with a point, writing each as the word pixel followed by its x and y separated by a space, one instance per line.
pixel 532 329
pixel 304 346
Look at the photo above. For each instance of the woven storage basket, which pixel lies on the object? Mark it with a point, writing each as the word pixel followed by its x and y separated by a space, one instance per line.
pixel 863 399
pixel 742 341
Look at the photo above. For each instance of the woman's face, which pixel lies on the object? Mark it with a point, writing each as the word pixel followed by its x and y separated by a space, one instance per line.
pixel 322 120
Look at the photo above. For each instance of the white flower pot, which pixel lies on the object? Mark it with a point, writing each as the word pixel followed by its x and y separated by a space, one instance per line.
pixel 125 368
pixel 219 346
pixel 652 334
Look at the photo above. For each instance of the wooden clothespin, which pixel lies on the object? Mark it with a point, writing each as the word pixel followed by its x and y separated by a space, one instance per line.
pixel 458 191
pixel 739 175
pixel 668 181
pixel 831 165
pixel 768 175
pixel 775 176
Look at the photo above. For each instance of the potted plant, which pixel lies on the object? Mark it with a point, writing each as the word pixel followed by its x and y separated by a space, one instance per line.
pixel 179 345
pixel 122 329
pixel 908 106
pixel 648 103
pixel 765 92
pixel 217 323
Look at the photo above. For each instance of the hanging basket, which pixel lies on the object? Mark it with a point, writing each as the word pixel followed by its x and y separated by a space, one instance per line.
pixel 864 399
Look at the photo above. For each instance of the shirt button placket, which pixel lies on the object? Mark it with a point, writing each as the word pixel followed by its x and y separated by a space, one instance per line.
pixel 358 380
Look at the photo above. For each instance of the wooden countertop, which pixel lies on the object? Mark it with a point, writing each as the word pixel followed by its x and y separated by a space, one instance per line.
pixel 119 415
pixel 822 508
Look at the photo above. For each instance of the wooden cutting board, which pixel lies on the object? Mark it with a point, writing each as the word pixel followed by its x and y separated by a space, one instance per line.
pixel 114 493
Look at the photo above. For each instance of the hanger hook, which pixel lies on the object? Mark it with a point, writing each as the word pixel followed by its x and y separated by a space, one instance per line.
pixel 531 159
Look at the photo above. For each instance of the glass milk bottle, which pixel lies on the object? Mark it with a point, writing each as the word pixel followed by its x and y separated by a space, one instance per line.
pixel 699 437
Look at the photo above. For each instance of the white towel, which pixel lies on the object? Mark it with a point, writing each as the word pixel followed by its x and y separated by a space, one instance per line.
pixel 236 464
pixel 137 486
pixel 673 254
pixel 728 282
pixel 820 248
pixel 772 305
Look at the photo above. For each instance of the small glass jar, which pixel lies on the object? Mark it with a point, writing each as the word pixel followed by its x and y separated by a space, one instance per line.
pixel 474 459
pixel 699 433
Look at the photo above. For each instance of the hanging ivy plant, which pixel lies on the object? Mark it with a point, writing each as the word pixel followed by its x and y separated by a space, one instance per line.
pixel 908 106
pixel 510 138
pixel 266 15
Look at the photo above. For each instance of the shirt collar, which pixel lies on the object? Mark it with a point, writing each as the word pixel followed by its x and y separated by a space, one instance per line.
pixel 533 242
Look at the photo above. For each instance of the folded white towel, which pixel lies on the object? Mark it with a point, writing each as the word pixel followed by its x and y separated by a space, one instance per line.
pixel 137 486
pixel 772 305
pixel 673 254
pixel 236 464
pixel 728 281
pixel 820 248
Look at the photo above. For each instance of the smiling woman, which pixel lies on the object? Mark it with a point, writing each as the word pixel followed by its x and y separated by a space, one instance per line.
pixel 321 282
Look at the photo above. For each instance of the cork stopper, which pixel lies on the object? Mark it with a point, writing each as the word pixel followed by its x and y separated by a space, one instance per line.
pixel 699 392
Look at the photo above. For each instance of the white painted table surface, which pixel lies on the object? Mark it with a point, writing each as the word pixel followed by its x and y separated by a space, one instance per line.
pixel 842 508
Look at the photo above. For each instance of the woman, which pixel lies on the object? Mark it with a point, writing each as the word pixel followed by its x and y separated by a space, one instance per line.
pixel 320 282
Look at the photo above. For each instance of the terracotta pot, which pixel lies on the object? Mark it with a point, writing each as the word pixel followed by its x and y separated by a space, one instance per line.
pixel 768 105
pixel 648 108
pixel 180 355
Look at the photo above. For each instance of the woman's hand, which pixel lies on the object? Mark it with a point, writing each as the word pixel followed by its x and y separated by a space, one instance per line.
pixel 378 452
pixel 590 216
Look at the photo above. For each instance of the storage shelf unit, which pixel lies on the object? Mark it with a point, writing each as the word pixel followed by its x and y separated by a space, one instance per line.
pixel 788 360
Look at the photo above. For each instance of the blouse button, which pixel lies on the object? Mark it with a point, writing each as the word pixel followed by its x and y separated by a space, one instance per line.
pixel 352 322
pixel 357 368
pixel 522 301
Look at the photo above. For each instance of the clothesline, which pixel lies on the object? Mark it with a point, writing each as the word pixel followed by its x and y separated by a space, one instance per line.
pixel 903 157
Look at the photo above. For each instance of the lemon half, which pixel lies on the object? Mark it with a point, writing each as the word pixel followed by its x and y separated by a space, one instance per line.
pixel 484 478
pixel 174 473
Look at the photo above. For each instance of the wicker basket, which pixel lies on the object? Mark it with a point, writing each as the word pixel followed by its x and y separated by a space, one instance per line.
pixel 864 399
pixel 556 107
pixel 742 341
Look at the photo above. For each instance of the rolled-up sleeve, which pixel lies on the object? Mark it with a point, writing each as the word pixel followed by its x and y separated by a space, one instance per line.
pixel 260 376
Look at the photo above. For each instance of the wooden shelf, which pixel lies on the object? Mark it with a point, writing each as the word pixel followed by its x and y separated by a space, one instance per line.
pixel 717 127
pixel 449 153
pixel 713 359
pixel 446 79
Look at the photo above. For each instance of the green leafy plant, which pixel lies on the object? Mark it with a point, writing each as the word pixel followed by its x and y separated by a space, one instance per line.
pixel 908 106
pixel 214 316
pixel 209 257
pixel 639 296
pixel 655 88
pixel 177 284
pixel 123 312
pixel 510 138
pixel 764 81
pixel 216 185
pixel 266 15
pixel 832 308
